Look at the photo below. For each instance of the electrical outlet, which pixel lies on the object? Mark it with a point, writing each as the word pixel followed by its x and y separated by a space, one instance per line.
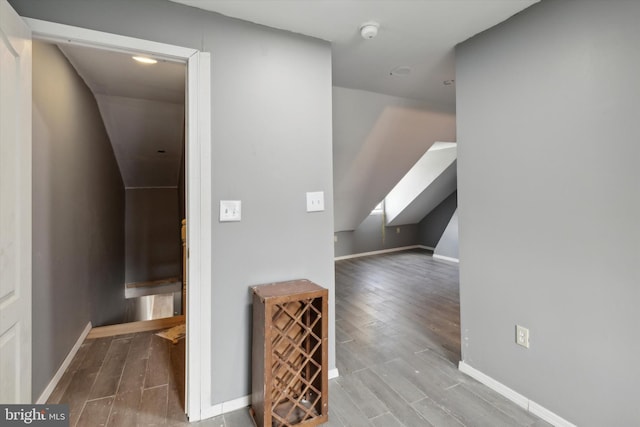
pixel 397 230
pixel 522 336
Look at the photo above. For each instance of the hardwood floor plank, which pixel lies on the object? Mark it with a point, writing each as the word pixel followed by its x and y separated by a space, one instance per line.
pixel 175 406
pixel 521 416
pixel 104 386
pixel 124 411
pixel 342 336
pixel 396 404
pixel 159 364
pixel 94 359
pixel 432 382
pixel 239 418
pixel 108 379
pixel 95 413
pixel 346 361
pixel 469 409
pixel 347 411
pixel 133 375
pixel 386 420
pixel 140 346
pixel 430 360
pixel 390 372
pixel 436 415
pixel 153 406
pixel 116 355
pixel 334 419
pixel 368 403
pixel 67 377
pixel 76 393
pixel 211 422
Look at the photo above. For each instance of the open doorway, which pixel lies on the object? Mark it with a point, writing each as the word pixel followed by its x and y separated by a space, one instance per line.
pixel 109 172
pixel 142 104
pixel 198 208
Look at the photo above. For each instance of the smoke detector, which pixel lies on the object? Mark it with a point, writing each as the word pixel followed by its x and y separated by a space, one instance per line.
pixel 369 30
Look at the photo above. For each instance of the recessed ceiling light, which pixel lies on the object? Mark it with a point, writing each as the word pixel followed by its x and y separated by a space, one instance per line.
pixel 403 70
pixel 145 60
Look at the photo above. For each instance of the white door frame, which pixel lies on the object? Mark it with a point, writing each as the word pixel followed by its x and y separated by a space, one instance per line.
pixel 198 183
pixel 15 202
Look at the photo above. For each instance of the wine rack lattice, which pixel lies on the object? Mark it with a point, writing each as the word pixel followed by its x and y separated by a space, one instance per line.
pixel 295 350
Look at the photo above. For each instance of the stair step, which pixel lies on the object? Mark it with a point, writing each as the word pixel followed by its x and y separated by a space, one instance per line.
pixel 133 327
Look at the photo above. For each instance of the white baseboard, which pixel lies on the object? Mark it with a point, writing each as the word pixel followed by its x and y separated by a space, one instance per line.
pixel 494 385
pixel 333 373
pixel 226 407
pixel 446 258
pixel 65 364
pixel 515 397
pixel 242 402
pixel 382 251
pixel 548 416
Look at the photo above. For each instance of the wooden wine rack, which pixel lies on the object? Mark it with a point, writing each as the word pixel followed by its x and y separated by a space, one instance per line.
pixel 290 348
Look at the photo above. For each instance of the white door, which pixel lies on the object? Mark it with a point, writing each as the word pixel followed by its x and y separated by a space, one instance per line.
pixel 15 207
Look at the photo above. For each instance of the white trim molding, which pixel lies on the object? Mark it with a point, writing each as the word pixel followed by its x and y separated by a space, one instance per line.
pixel 65 364
pixel 199 214
pixel 514 396
pixel 333 373
pixel 446 258
pixel 170 187
pixel 226 407
pixel 67 34
pixel 382 251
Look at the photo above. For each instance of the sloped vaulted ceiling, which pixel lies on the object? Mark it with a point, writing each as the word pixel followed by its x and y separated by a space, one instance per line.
pixel 377 139
pixel 142 107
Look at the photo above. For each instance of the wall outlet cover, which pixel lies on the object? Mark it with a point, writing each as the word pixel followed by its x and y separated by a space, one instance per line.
pixel 522 336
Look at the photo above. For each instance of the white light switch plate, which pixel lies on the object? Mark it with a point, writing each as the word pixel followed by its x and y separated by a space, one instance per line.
pixel 315 201
pixel 230 210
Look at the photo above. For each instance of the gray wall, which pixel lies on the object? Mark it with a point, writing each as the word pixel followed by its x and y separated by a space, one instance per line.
pixel 368 237
pixel 271 142
pixel 432 226
pixel 448 244
pixel 78 215
pixel 549 201
pixel 152 234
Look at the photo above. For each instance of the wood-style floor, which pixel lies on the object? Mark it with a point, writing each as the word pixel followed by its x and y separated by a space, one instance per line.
pixel 398 344
pixel 124 380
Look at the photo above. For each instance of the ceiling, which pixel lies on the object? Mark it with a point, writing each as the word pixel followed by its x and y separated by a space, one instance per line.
pixel 420 34
pixel 142 106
